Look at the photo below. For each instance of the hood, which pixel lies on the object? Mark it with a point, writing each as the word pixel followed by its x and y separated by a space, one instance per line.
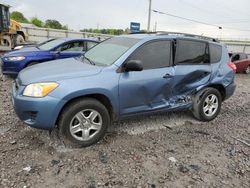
pixel 57 70
pixel 27 51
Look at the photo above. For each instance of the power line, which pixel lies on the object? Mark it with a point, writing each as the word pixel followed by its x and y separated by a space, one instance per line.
pixel 191 20
pixel 200 22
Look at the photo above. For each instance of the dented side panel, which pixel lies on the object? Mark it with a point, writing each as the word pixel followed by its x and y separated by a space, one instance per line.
pixel 145 91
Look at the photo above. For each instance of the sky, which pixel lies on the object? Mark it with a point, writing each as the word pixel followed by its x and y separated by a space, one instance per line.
pixel 232 15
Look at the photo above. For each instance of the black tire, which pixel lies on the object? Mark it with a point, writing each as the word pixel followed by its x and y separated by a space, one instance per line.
pixel 199 102
pixel 70 112
pixel 19 39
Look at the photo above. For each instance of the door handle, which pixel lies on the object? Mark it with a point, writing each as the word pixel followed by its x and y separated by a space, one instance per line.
pixel 167 76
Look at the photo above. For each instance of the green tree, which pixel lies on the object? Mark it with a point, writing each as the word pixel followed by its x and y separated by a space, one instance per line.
pixel 65 27
pixel 37 22
pixel 106 31
pixel 54 24
pixel 19 17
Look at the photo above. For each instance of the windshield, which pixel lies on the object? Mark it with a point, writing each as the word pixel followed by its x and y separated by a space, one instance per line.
pixel 107 52
pixel 50 44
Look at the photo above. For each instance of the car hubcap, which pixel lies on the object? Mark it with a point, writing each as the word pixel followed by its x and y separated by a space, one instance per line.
pixel 210 105
pixel 248 70
pixel 86 124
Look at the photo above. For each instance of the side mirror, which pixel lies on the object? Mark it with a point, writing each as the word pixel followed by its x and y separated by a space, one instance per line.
pixel 133 65
pixel 56 52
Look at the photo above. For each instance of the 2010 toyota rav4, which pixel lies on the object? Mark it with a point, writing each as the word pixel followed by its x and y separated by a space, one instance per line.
pixel 124 76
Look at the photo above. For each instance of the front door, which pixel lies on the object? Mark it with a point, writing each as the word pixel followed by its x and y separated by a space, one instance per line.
pixel 71 49
pixel 149 89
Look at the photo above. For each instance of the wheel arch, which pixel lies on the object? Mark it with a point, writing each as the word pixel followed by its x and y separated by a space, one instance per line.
pixel 21 33
pixel 219 87
pixel 105 100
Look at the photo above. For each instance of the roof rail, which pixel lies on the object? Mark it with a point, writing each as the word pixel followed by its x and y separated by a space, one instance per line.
pixel 179 34
pixel 187 35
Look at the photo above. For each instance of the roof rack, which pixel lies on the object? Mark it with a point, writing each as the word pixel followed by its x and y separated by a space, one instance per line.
pixel 179 34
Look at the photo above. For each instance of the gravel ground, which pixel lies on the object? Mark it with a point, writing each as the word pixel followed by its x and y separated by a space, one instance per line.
pixel 163 150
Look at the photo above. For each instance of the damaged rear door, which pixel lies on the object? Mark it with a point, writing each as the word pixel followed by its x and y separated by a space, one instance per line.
pixel 192 67
pixel 149 89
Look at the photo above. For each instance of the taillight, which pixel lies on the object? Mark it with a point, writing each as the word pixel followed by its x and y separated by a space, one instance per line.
pixel 232 66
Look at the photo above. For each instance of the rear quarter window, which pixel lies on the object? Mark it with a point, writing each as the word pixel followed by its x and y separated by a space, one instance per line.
pixel 215 53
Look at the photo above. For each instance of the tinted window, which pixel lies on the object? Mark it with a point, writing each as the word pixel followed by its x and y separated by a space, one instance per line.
pixel 215 53
pixel 235 57
pixel 154 55
pixel 191 52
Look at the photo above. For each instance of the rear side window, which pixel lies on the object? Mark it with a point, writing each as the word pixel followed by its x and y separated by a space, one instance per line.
pixel 215 53
pixel 191 52
pixel 154 55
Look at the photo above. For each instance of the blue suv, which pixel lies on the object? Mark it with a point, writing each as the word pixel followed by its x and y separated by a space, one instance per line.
pixel 125 76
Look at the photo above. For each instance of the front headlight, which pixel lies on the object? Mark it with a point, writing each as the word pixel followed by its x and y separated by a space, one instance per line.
pixel 18 47
pixel 39 89
pixel 17 58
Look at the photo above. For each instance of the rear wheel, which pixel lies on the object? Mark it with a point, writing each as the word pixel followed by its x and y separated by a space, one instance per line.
pixel 207 104
pixel 247 71
pixel 84 122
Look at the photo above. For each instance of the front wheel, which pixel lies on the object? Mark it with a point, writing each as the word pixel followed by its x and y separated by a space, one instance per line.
pixel 207 104
pixel 84 122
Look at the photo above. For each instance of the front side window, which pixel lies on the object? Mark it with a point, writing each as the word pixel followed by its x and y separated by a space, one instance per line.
pixel 72 47
pixel 191 52
pixel 154 55
pixel 107 52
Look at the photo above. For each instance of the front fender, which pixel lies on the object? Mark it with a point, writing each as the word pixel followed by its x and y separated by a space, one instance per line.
pixel 96 91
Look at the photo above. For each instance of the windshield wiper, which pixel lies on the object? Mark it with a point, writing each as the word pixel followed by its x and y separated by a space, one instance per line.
pixel 89 60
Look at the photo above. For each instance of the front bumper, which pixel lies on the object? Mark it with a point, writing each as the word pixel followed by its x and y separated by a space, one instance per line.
pixel 230 89
pixel 11 68
pixel 39 113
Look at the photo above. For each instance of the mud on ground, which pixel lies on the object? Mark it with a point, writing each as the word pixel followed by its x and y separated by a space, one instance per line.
pixel 163 150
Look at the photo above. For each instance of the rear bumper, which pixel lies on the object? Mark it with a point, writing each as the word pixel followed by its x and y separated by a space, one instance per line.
pixel 230 89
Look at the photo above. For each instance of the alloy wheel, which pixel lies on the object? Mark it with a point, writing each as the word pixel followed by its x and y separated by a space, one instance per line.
pixel 86 124
pixel 248 70
pixel 210 105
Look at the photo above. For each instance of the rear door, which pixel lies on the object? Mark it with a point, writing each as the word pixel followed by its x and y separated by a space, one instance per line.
pixel 192 66
pixel 150 89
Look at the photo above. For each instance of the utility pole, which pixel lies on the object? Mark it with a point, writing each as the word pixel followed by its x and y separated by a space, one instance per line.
pixel 155 28
pixel 149 14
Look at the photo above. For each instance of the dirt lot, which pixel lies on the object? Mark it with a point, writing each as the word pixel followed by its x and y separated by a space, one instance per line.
pixel 164 150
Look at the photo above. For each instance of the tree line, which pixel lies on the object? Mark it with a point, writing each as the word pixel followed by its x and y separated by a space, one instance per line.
pixel 50 23
pixel 54 24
